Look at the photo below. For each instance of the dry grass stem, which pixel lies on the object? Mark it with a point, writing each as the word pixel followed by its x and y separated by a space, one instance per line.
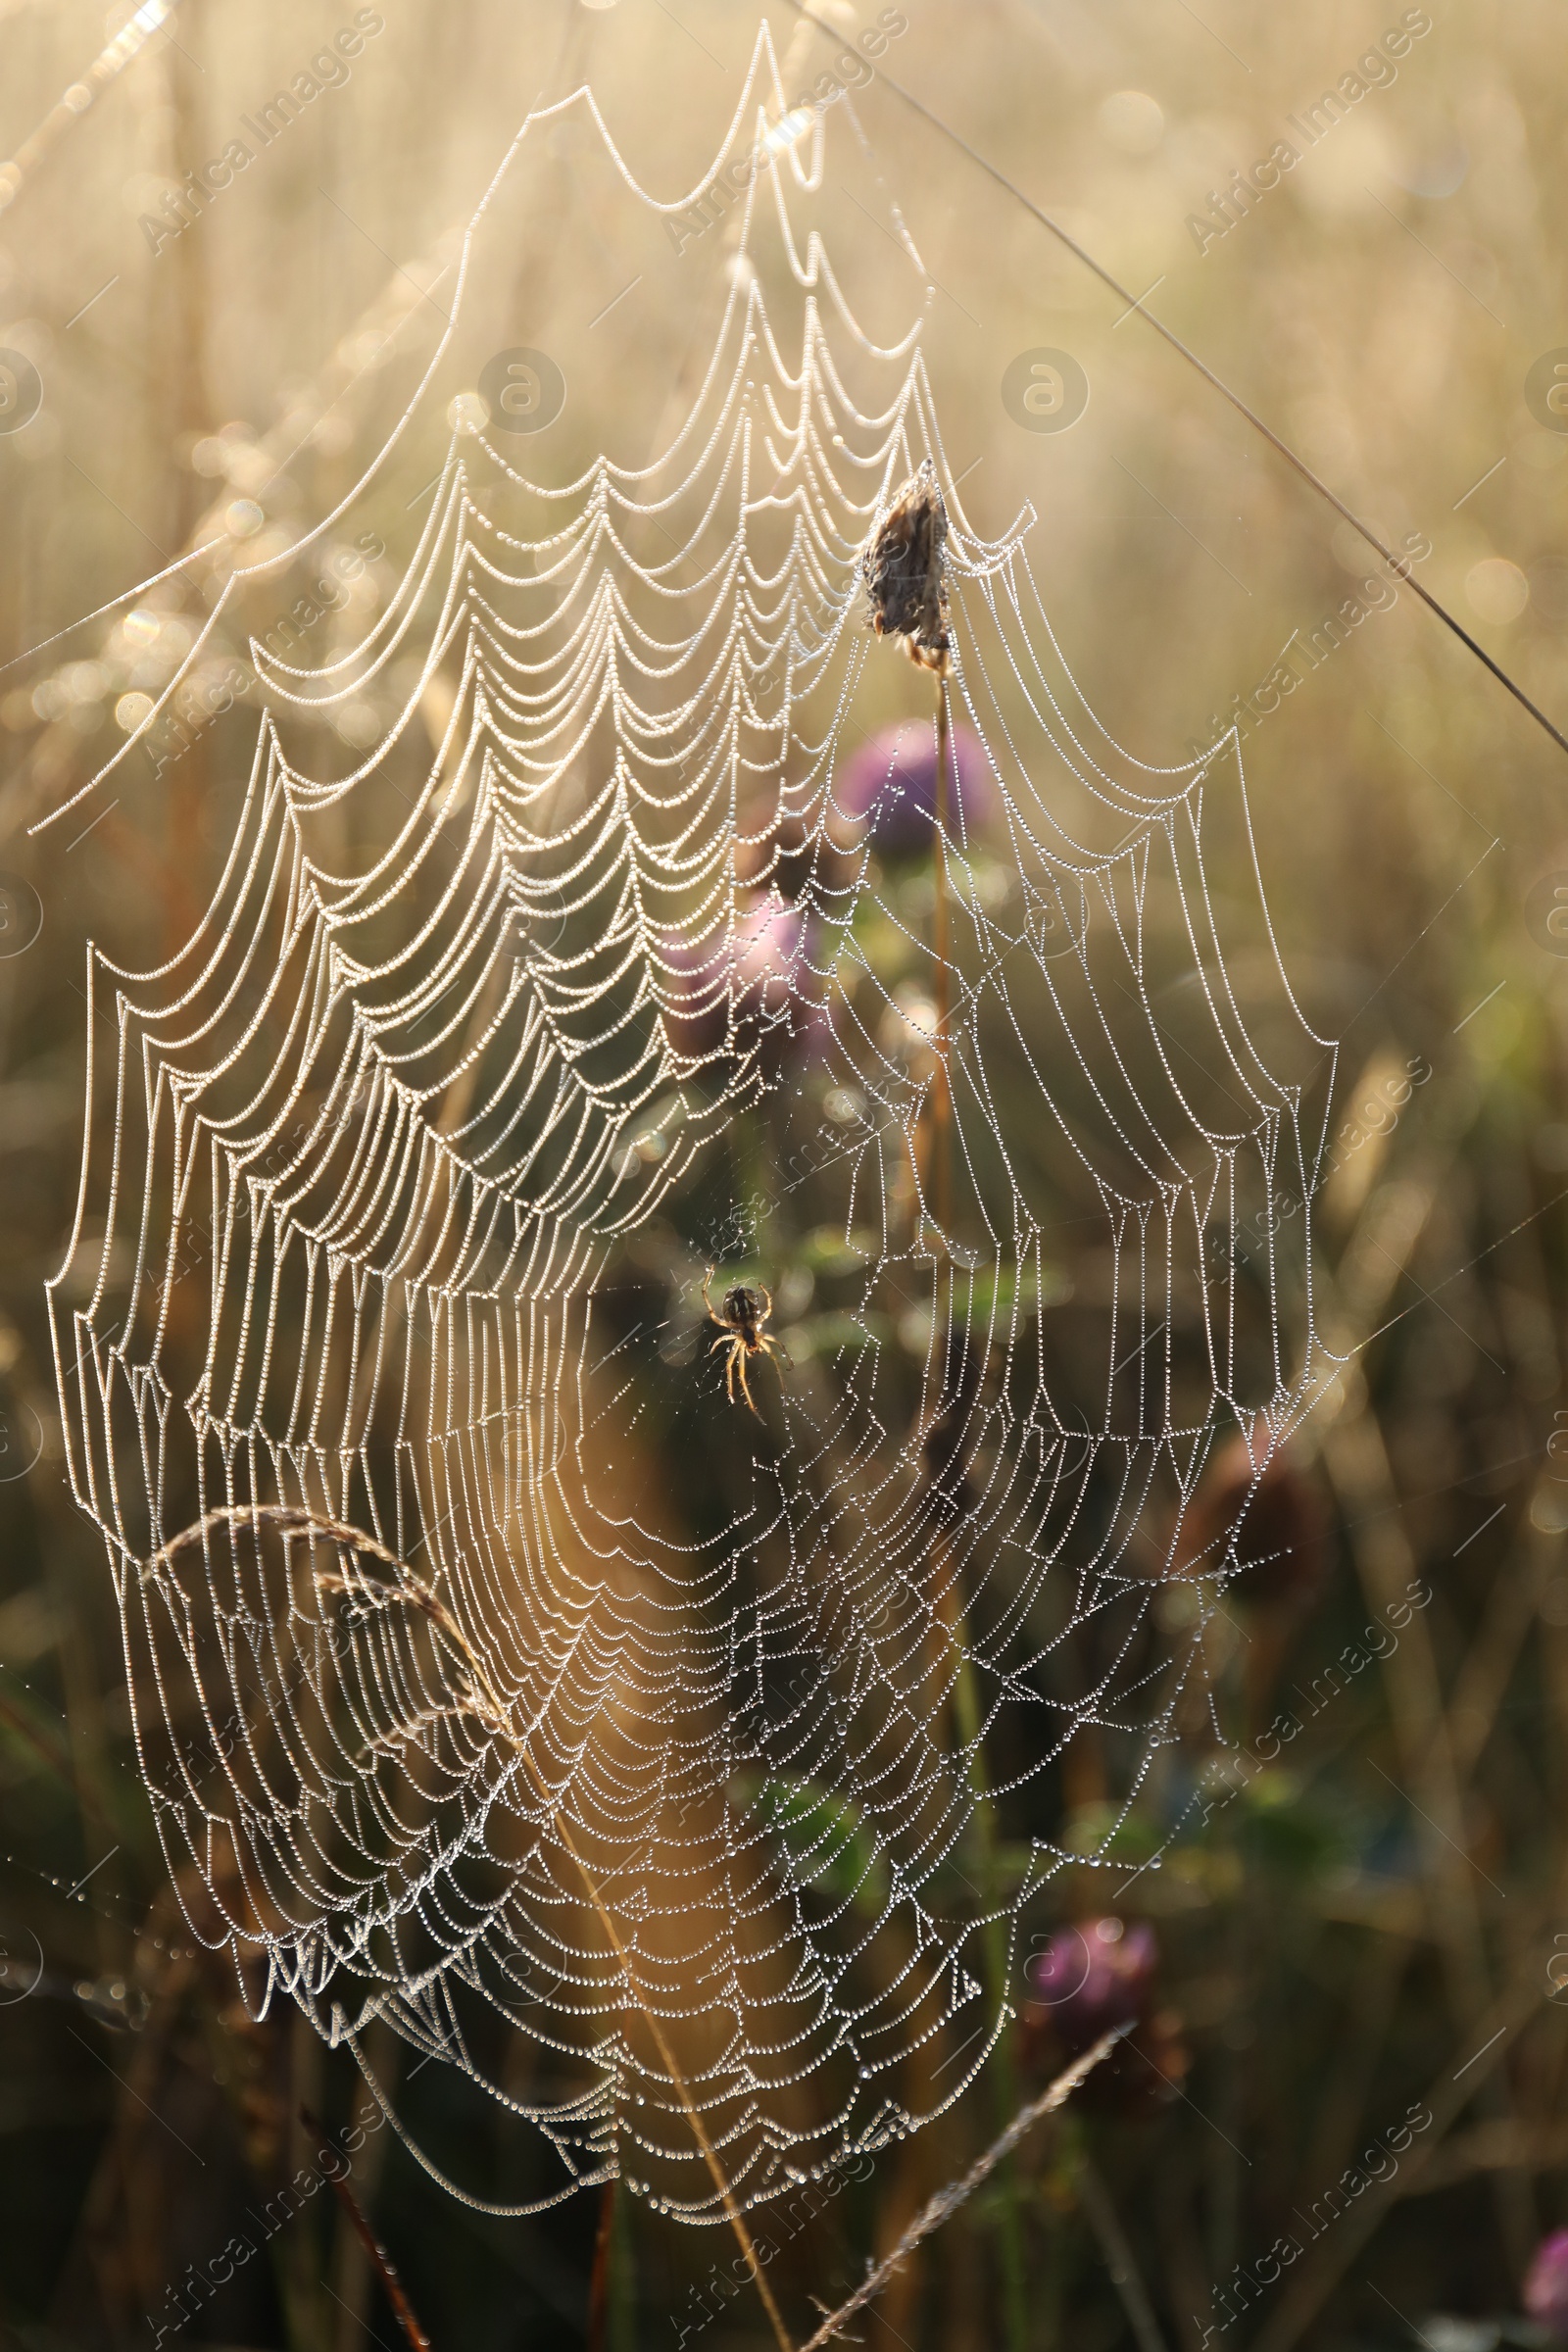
pixel 380 2259
pixel 947 2201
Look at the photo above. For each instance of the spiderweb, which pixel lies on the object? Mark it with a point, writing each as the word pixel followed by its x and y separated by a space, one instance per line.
pixel 680 1772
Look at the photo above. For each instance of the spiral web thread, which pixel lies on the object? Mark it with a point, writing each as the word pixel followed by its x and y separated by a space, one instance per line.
pixel 681 1775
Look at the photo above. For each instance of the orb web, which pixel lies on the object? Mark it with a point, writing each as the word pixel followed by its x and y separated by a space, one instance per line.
pixel 680 1761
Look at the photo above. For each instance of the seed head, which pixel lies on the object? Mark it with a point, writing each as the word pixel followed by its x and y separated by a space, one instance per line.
pixel 902 566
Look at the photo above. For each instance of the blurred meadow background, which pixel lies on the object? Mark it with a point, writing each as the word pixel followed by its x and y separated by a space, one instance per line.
pixel 1341 1952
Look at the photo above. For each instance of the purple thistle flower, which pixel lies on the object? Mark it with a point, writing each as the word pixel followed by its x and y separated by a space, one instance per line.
pixel 1546 2286
pixel 891 782
pixel 1092 1977
pixel 761 969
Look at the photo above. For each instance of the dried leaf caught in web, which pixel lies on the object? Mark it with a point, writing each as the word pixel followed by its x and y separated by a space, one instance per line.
pixel 903 572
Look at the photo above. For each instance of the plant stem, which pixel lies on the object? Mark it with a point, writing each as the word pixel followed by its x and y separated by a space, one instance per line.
pixel 1125 2276
pixel 599 2282
pixel 947 2201
pixel 381 2259
pixel 612 2292
pixel 1003 2073
pixel 942 1083
pixel 967 1727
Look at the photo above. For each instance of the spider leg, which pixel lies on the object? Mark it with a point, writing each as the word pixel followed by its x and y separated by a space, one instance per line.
pixel 767 1303
pixel 707 1302
pixel 740 1366
pixel 729 1369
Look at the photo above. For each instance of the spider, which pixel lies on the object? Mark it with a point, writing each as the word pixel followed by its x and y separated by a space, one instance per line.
pixel 741 1332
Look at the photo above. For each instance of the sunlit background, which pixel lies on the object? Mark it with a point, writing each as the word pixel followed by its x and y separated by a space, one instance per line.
pixel 1340 1973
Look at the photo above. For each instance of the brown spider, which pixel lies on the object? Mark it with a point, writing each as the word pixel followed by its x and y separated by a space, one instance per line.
pixel 741 1332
